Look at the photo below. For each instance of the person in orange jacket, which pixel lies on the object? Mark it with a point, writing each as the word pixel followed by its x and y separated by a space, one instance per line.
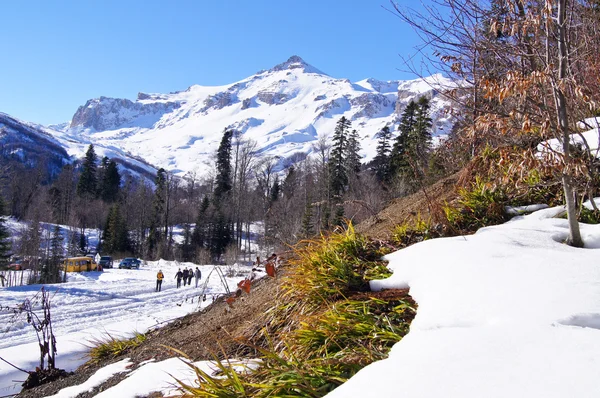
pixel 159 278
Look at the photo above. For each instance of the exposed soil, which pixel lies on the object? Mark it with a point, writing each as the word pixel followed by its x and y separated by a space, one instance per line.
pixel 425 204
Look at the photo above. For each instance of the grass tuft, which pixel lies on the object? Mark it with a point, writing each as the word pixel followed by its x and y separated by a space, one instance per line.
pixel 324 327
pixel 108 346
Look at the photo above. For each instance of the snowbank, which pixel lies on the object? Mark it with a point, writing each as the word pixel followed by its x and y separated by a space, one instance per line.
pixel 509 311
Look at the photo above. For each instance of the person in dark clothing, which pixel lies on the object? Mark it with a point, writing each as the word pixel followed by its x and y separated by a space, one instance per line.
pixel 178 276
pixel 198 275
pixel 190 276
pixel 185 276
pixel 159 278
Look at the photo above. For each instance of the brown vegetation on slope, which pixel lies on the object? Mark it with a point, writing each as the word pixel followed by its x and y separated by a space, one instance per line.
pixel 425 203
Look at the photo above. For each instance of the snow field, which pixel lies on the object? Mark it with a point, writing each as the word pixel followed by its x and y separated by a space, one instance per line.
pixel 508 312
pixel 92 305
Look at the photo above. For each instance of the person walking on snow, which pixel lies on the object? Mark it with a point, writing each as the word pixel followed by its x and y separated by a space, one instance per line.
pixel 159 278
pixel 185 276
pixel 190 276
pixel 198 275
pixel 178 276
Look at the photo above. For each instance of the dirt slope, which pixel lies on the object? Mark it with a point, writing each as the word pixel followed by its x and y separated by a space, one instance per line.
pixel 424 203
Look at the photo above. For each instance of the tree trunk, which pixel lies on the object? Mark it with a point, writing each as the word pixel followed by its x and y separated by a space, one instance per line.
pixel 563 122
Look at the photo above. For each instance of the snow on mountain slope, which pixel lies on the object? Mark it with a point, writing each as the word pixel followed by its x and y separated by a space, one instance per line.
pixel 33 144
pixel 284 110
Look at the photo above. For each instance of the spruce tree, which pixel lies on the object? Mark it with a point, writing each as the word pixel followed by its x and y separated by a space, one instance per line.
pixel 338 172
pixel 155 237
pixel 401 151
pixel 352 153
pixel 88 183
pixel 381 162
pixel 422 133
pixel 110 182
pixel 223 180
pixel 116 235
pixel 4 236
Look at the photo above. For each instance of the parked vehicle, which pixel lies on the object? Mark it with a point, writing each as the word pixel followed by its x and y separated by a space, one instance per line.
pixel 106 262
pixel 79 264
pixel 129 263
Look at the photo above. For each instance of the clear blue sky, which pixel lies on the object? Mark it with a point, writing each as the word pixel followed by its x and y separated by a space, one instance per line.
pixel 58 54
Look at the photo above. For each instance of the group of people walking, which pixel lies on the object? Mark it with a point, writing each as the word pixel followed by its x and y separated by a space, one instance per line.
pixel 186 275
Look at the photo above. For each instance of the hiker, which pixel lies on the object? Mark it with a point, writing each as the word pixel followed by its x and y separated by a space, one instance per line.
pixel 185 276
pixel 178 276
pixel 198 275
pixel 271 264
pixel 190 276
pixel 159 278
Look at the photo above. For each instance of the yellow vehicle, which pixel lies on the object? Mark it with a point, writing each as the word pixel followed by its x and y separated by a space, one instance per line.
pixel 79 264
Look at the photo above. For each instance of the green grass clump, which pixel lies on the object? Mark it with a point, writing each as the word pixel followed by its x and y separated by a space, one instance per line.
pixel 479 206
pixel 324 327
pixel 335 265
pixel 414 231
pixel 110 347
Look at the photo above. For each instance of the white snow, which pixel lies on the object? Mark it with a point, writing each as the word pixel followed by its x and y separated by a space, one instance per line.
pixel 508 312
pixel 95 305
pixel 306 104
pixel 97 379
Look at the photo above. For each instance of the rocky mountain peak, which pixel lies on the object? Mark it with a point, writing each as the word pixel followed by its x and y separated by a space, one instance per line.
pixel 295 62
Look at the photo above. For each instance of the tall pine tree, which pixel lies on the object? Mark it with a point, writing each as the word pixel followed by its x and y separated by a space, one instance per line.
pixel 223 180
pixel 155 235
pixel 352 153
pixel 88 182
pixel 110 182
pixel 381 162
pixel 338 172
pixel 400 156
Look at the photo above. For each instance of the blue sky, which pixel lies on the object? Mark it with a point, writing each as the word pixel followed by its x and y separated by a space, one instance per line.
pixel 57 55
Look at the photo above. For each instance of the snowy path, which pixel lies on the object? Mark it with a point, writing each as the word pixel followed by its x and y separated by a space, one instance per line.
pixel 92 304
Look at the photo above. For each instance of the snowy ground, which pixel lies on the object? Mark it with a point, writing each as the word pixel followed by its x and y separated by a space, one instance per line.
pixel 508 312
pixel 93 304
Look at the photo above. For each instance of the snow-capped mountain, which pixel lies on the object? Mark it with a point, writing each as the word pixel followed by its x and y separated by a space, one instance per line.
pixel 33 145
pixel 284 110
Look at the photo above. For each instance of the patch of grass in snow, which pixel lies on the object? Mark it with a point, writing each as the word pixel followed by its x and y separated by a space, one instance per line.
pixel 108 346
pixel 324 327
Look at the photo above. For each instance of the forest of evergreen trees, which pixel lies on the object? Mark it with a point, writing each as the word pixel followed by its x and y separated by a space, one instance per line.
pixel 216 212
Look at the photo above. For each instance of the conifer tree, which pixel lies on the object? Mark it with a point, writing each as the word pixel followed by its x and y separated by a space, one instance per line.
pixel 352 153
pixel 155 237
pixel 422 133
pixel 338 171
pixel 116 233
pixel 88 183
pixel 4 235
pixel 401 151
pixel 275 191
pixel 110 182
pixel 223 180
pixel 381 162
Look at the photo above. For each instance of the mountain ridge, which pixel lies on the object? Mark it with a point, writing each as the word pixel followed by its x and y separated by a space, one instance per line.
pixel 284 110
